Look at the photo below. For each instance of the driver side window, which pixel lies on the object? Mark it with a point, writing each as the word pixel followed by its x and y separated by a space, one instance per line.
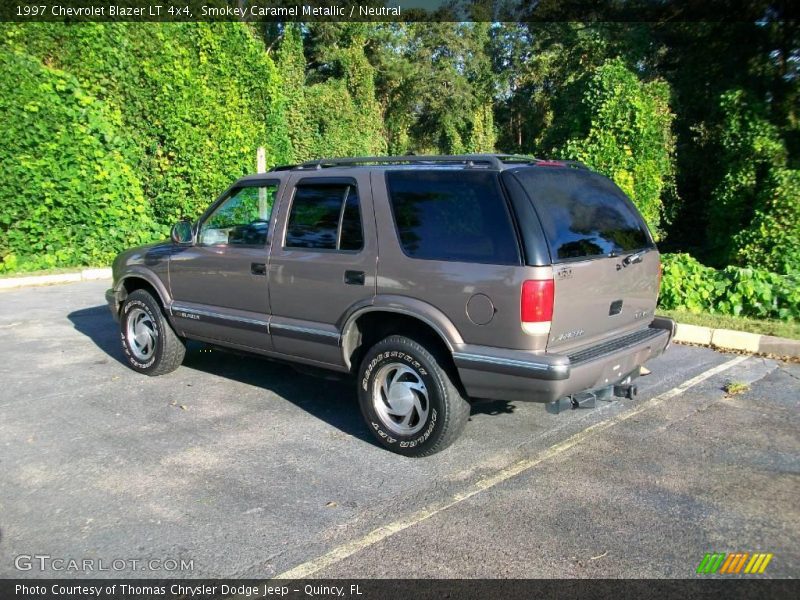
pixel 242 219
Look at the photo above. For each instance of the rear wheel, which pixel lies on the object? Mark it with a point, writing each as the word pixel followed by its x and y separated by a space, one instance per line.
pixel 150 344
pixel 408 397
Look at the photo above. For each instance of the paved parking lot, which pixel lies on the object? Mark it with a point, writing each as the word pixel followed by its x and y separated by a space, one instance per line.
pixel 248 468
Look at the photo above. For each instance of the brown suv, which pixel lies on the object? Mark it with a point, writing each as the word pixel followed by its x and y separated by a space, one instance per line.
pixel 433 279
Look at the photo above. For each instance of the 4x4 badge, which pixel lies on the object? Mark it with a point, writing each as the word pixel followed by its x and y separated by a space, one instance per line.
pixel 564 273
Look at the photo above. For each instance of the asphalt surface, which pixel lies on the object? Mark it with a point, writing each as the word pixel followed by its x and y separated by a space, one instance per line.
pixel 248 468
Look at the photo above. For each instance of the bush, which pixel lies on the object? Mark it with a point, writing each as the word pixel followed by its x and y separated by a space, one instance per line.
pixel 737 291
pixel 69 193
pixel 623 129
pixel 196 99
pixel 772 240
pixel 754 213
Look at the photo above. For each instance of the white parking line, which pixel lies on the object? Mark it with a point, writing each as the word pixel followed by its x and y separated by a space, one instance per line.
pixel 339 553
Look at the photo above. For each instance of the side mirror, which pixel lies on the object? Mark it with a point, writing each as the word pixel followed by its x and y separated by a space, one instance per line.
pixel 183 232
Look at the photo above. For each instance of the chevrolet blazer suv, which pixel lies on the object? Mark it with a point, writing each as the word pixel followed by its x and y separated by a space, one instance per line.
pixel 430 279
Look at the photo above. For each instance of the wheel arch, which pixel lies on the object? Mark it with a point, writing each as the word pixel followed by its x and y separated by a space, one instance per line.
pixel 138 280
pixel 366 325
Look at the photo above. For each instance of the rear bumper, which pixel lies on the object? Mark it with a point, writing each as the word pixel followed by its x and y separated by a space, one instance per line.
pixel 524 376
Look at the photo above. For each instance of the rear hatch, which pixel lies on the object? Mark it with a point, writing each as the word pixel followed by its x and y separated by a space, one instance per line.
pixel 605 264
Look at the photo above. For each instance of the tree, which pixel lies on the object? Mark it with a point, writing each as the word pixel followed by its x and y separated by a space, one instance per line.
pixel 622 128
pixel 331 107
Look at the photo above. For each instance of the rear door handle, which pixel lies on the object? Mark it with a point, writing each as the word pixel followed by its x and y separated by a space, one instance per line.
pixel 354 277
pixel 258 268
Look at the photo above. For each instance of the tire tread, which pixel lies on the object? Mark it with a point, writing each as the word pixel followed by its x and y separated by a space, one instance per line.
pixel 174 348
pixel 457 412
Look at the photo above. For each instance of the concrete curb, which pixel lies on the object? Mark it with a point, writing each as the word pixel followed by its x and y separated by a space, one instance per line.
pixel 11 283
pixel 728 339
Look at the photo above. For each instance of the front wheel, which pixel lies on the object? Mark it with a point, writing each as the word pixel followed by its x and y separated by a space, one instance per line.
pixel 148 341
pixel 408 398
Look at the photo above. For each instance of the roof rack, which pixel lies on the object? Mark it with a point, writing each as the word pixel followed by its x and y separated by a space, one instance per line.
pixel 469 160
pixel 492 161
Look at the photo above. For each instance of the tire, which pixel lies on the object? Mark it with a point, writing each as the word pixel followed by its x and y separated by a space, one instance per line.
pixel 427 412
pixel 150 344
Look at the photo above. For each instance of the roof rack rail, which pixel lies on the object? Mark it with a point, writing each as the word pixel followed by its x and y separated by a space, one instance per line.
pixel 495 161
pixel 470 160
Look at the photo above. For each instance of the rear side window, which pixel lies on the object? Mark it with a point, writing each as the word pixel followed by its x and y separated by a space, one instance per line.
pixel 452 215
pixel 325 216
pixel 583 214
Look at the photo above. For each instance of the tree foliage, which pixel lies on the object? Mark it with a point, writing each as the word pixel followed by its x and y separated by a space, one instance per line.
pixel 754 213
pixel 331 109
pixel 193 114
pixel 622 128
pixel 772 238
pixel 71 194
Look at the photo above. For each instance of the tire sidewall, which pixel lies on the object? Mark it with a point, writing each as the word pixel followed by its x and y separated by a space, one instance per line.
pixel 147 304
pixel 393 352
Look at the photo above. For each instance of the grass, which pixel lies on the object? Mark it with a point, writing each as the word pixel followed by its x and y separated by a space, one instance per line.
pixel 733 388
pixel 786 329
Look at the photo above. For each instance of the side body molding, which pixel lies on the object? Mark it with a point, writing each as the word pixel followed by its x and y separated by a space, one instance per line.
pixel 404 305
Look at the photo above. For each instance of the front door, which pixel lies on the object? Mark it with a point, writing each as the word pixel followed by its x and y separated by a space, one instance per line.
pixel 219 284
pixel 323 262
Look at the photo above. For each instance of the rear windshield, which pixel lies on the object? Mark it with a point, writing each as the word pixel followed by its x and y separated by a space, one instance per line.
pixel 583 214
pixel 455 215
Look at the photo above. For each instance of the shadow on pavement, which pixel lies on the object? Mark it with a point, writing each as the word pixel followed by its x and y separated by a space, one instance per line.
pixel 491 407
pixel 327 396
pixel 98 325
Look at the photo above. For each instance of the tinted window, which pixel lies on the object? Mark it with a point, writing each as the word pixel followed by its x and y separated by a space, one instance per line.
pixel 242 219
pixel 317 212
pixel 583 214
pixel 452 215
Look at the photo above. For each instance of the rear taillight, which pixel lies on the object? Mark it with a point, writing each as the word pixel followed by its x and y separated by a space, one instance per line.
pixel 536 305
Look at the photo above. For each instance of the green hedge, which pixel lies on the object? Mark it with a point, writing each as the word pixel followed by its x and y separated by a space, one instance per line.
pixel 170 113
pixel 737 291
pixel 69 193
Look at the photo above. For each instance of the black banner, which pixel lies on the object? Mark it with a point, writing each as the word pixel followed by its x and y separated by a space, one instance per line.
pixel 212 589
pixel 399 10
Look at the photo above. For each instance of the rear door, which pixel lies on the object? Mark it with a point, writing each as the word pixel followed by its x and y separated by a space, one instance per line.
pixel 605 263
pixel 322 262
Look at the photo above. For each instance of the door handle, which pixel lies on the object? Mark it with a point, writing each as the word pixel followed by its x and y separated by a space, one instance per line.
pixel 258 268
pixel 354 277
